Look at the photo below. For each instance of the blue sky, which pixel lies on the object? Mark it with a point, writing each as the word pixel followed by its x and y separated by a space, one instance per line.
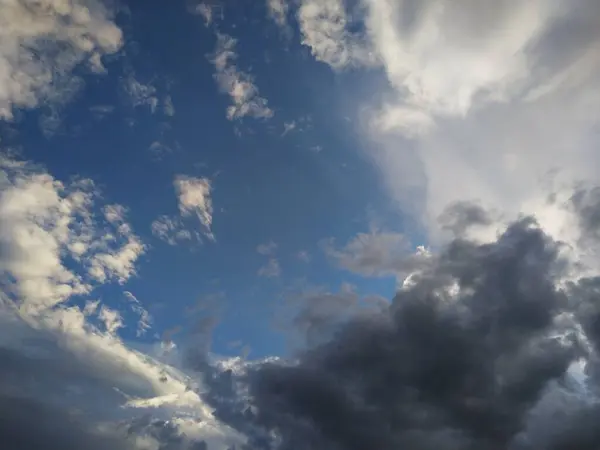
pixel 180 175
pixel 295 178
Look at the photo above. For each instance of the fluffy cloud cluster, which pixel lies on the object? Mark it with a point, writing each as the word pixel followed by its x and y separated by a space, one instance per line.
pixel 64 369
pixel 42 41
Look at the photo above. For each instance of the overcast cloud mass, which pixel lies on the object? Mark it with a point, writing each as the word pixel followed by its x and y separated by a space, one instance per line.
pixel 299 225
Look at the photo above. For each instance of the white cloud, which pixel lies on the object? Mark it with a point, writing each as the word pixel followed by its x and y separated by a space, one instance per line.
pixel 484 98
pixel 50 234
pixel 325 29
pixel 278 11
pixel 267 249
pixel 194 200
pixel 208 10
pixel 140 94
pixel 43 221
pixel 271 269
pixel 42 41
pixel 171 230
pixel 244 95
pixel 145 319
pixel 194 196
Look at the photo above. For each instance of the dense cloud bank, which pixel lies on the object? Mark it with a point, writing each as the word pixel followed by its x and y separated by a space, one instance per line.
pixel 490 346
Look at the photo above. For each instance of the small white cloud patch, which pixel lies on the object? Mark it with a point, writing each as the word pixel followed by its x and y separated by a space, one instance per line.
pixel 244 95
pixel 194 196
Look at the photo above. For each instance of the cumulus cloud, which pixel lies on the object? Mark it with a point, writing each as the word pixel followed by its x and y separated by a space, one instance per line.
pixel 243 93
pixel 41 42
pixel 486 349
pixel 483 101
pixel 64 369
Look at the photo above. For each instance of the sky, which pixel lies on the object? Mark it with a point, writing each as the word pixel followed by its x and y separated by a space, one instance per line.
pixel 299 224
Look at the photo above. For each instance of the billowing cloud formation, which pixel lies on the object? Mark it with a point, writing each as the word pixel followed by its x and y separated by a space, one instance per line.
pixel 244 95
pixel 42 41
pixel 486 348
pixel 484 98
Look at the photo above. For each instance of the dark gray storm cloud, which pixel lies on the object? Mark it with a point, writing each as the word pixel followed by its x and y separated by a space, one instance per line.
pixel 480 352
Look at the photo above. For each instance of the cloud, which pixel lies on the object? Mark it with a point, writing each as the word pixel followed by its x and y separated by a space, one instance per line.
pixel 487 348
pixel 303 256
pixel 372 254
pixel 145 319
pixel 271 269
pixel 64 369
pixel 42 42
pixel 208 11
pixel 325 30
pixel 194 197
pixel 267 249
pixel 244 95
pixel 171 230
pixel 278 11
pixel 140 94
pixel 45 220
pixel 483 100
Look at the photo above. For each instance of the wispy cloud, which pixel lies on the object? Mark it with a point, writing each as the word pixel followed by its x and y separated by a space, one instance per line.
pixel 171 230
pixel 144 317
pixel 278 11
pixel 245 98
pixel 271 269
pixel 193 200
pixel 140 94
pixel 194 197
pixel 268 248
